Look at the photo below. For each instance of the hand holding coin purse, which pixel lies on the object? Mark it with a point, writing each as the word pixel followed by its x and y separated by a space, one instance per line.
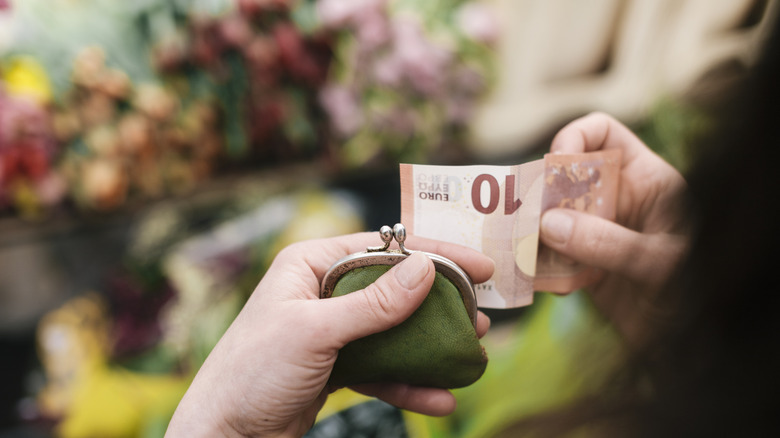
pixel 436 346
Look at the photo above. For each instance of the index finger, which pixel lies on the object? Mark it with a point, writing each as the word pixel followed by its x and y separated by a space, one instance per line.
pixel 479 266
pixel 321 254
pixel 598 131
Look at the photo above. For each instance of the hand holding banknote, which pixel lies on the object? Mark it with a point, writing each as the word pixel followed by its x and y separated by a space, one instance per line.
pixel 640 249
pixel 609 220
pixel 496 210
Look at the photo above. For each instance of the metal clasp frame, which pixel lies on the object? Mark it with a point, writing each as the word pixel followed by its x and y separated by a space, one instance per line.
pixel 383 255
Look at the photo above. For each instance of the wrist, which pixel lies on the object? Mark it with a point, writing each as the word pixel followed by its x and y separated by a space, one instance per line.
pixel 199 417
pixel 195 426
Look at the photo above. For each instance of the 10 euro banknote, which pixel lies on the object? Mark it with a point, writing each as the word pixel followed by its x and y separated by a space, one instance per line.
pixel 496 210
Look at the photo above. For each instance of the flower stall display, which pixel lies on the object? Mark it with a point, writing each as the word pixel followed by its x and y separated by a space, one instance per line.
pixel 126 140
pixel 28 178
pixel 88 395
pixel 263 69
pixel 406 77
pixel 244 84
pixel 115 364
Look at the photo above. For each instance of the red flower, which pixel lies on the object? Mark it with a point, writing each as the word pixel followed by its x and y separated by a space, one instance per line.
pixel 296 58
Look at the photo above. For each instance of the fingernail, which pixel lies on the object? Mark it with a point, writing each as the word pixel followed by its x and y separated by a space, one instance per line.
pixel 557 226
pixel 412 270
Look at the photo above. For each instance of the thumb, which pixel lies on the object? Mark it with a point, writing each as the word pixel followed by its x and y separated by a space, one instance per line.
pixel 592 240
pixel 387 302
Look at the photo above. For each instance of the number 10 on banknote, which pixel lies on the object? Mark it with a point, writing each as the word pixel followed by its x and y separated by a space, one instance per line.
pixel 496 210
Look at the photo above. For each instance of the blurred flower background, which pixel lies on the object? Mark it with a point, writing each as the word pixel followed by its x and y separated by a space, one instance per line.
pixel 155 155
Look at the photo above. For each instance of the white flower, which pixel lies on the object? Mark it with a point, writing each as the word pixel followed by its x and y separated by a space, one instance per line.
pixel 477 22
pixel 338 13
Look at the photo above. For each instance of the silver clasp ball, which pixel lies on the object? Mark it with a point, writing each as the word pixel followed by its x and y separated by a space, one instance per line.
pixel 387 234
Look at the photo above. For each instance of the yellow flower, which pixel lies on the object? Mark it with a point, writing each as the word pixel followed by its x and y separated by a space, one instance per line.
pixel 24 76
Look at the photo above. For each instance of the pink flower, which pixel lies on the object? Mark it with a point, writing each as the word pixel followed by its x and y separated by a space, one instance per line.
pixel 343 108
pixel 20 118
pixel 399 121
pixel 388 71
pixel 51 189
pixel 373 29
pixel 235 30
pixel 467 81
pixel 458 111
pixel 2 174
pixel 424 63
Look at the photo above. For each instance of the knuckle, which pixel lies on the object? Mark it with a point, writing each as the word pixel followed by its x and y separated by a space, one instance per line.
pixel 290 251
pixel 659 257
pixel 599 115
pixel 594 240
pixel 402 395
pixel 615 251
pixel 636 260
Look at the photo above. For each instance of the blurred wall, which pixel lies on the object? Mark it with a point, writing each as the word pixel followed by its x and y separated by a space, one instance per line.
pixel 559 59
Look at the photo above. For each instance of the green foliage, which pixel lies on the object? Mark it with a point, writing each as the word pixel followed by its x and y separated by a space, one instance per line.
pixel 561 352
pixel 672 129
pixel 56 31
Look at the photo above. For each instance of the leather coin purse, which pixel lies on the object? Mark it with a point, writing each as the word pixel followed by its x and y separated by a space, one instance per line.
pixel 436 346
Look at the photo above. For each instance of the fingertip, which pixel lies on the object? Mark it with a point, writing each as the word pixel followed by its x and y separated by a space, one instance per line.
pixel 446 406
pixel 482 270
pixel 413 271
pixel 568 140
pixel 483 324
pixel 478 266
pixel 434 402
pixel 491 266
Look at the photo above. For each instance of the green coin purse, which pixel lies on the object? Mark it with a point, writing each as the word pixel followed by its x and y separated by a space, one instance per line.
pixel 436 346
